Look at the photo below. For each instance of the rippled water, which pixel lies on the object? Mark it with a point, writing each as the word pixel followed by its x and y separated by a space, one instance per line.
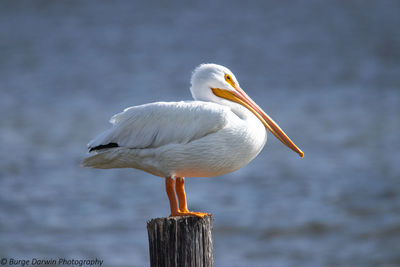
pixel 328 73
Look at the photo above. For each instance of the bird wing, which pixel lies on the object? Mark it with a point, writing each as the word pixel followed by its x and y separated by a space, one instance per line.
pixel 157 124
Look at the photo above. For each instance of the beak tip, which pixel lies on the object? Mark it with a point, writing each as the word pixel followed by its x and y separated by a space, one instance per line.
pixel 301 154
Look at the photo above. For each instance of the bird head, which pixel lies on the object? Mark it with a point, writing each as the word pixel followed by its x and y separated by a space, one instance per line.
pixel 216 83
pixel 207 76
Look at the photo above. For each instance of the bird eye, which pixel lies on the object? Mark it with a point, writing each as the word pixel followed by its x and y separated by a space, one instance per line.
pixel 229 80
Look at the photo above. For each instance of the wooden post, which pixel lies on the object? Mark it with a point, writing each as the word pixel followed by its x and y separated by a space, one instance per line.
pixel 180 242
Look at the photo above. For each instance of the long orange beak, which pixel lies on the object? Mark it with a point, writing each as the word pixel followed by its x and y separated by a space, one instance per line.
pixel 239 96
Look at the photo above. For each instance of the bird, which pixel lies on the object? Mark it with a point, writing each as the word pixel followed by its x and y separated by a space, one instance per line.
pixel 218 132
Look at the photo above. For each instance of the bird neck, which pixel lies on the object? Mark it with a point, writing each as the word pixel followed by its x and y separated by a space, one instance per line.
pixel 240 111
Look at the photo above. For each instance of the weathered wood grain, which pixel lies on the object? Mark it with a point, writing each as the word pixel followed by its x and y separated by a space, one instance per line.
pixel 180 241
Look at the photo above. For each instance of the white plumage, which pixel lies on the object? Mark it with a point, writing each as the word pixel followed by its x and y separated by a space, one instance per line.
pixel 161 123
pixel 219 132
pixel 183 139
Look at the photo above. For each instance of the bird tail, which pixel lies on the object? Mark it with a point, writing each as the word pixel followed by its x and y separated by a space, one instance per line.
pixel 101 160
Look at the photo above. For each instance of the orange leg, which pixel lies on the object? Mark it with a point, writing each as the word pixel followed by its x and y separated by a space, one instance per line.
pixel 170 188
pixel 179 190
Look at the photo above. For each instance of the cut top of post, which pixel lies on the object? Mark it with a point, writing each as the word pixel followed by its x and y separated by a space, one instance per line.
pixel 180 241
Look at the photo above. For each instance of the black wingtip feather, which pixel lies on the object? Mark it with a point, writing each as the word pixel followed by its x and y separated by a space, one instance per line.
pixel 109 145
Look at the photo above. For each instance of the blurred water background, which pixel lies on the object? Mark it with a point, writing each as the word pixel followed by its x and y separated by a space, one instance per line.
pixel 327 71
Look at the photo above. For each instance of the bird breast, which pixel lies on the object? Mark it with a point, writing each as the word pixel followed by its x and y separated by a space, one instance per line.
pixel 221 152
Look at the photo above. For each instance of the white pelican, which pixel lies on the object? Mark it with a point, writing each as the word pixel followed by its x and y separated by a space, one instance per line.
pixel 218 133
